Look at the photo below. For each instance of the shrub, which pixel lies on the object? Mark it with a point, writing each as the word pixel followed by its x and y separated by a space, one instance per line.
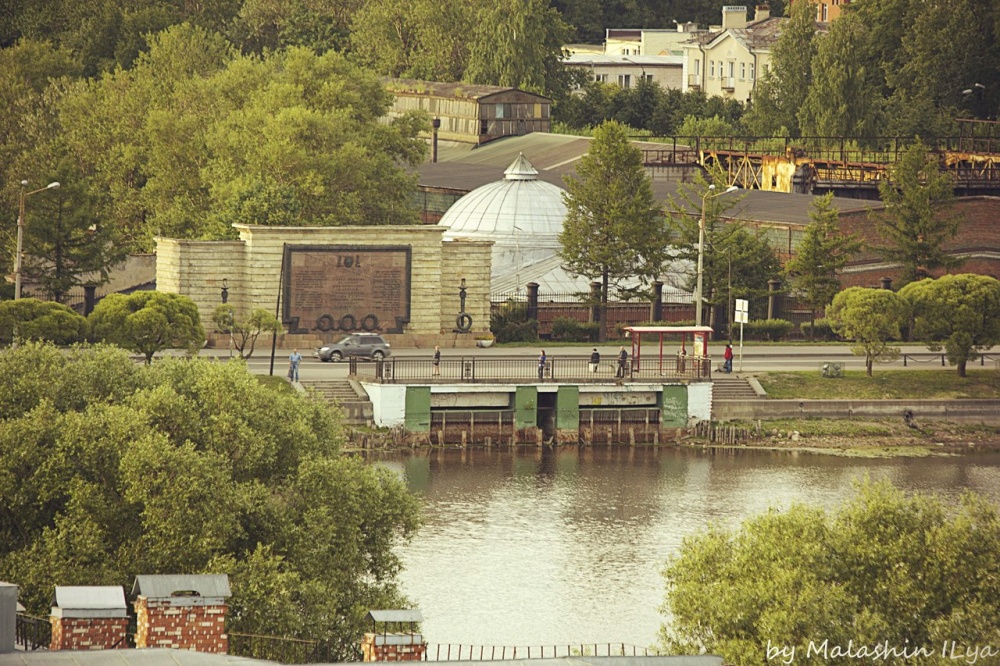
pixel 768 329
pixel 823 332
pixel 40 320
pixel 570 330
pixel 510 323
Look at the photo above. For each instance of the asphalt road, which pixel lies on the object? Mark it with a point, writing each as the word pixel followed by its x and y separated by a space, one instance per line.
pixel 758 358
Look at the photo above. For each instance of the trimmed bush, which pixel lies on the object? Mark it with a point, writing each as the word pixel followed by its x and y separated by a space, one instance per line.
pixel 41 320
pixel 824 332
pixel 510 323
pixel 565 329
pixel 768 329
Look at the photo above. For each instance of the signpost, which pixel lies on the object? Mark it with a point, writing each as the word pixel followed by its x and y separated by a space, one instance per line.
pixel 742 315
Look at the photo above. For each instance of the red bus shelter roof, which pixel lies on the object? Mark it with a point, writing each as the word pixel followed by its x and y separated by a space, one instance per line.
pixel 668 329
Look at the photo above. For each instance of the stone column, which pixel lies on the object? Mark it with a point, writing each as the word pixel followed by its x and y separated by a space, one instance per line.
pixel 656 305
pixel 532 300
pixel 772 298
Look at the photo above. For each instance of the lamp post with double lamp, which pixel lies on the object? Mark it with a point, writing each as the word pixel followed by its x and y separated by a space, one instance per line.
pixel 698 295
pixel 20 233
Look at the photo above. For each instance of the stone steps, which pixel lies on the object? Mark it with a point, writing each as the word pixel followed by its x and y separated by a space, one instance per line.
pixel 732 388
pixel 357 409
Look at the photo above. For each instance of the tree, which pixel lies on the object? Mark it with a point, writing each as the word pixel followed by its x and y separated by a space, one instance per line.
pixel 782 92
pixel 31 319
pixel 110 469
pixel 872 318
pixel 844 99
pixel 243 333
pixel 147 322
pixel 884 569
pixel 613 229
pixel 822 253
pixel 519 43
pixel 915 223
pixel 960 313
pixel 737 261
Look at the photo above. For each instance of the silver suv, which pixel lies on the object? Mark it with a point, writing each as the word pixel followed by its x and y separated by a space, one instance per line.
pixel 362 345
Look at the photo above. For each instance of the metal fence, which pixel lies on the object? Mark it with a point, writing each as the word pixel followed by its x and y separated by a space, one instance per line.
pixel 450 652
pixel 521 370
pixel 32 633
pixel 281 649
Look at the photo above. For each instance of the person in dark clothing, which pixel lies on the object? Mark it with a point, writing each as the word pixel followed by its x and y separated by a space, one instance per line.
pixel 541 366
pixel 622 363
pixel 595 360
pixel 437 360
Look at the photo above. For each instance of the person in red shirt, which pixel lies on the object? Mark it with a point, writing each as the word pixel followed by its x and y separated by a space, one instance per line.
pixel 727 366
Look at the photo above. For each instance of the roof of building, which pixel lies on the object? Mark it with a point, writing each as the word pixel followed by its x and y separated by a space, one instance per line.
pixel 410 615
pixel 164 657
pixel 457 90
pixel 163 586
pixel 760 34
pixel 579 59
pixel 105 597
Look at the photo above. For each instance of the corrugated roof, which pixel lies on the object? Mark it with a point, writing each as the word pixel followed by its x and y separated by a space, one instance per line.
pixel 412 615
pixel 580 59
pixel 457 90
pixel 110 597
pixel 161 587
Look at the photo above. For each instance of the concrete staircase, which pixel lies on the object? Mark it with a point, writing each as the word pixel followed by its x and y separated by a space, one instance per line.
pixel 732 388
pixel 342 392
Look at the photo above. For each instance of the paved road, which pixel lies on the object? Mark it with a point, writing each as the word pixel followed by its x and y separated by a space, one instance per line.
pixel 760 358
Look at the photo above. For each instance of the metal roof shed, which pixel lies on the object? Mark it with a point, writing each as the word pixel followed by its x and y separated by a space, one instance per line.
pixel 193 590
pixel 93 601
pixel 403 634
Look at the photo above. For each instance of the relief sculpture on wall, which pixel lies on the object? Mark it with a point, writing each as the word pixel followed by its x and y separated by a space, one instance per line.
pixel 346 288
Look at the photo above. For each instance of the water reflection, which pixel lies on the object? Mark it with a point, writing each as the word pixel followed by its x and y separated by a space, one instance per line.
pixel 546 547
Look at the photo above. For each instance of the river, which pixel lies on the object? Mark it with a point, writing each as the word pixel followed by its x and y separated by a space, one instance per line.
pixel 556 547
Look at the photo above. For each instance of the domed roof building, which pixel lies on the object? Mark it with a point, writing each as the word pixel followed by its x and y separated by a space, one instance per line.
pixel 521 214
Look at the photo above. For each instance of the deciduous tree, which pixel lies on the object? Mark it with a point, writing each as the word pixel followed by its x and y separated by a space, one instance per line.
pixel 883 569
pixel 916 222
pixel 959 313
pixel 823 252
pixel 614 229
pixel 244 331
pixel 872 318
pixel 147 322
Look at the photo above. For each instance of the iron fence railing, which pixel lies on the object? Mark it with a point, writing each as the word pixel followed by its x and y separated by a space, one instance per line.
pixel 281 649
pixel 32 633
pixel 450 652
pixel 520 370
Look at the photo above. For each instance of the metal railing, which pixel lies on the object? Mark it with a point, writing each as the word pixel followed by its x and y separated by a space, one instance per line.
pixel 281 649
pixel 32 633
pixel 450 652
pixel 521 370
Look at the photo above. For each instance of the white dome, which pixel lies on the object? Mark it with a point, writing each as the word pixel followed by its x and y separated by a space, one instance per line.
pixel 522 215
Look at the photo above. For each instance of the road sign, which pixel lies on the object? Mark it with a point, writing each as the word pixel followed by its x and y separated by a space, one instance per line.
pixel 742 316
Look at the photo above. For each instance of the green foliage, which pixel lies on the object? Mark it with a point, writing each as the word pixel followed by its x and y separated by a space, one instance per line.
pixel 872 318
pixel 147 322
pixel 565 329
pixel 960 313
pixel 884 568
pixel 31 319
pixel 109 469
pixel 510 323
pixel 915 224
pixel 772 330
pixel 823 252
pixel 243 333
pixel 819 329
pixel 613 229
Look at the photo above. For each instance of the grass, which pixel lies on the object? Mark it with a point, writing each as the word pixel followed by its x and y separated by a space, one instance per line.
pixel 276 383
pixel 883 385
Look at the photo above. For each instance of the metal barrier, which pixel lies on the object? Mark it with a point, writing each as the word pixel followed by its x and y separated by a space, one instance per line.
pixel 449 652
pixel 32 633
pixel 524 370
pixel 281 649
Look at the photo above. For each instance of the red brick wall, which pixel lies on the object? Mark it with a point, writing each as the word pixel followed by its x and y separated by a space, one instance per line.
pixel 978 235
pixel 406 652
pixel 88 633
pixel 199 628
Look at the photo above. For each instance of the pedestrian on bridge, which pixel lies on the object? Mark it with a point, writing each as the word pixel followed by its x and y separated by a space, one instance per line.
pixel 541 366
pixel 595 360
pixel 622 363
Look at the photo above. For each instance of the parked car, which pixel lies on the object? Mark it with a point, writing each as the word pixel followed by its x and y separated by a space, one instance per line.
pixel 362 345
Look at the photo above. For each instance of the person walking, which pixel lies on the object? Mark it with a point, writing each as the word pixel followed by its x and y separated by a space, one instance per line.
pixel 437 360
pixel 293 365
pixel 622 363
pixel 727 365
pixel 595 360
pixel 541 366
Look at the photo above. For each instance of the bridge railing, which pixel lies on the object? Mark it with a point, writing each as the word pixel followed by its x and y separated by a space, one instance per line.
pixel 522 370
pixel 452 652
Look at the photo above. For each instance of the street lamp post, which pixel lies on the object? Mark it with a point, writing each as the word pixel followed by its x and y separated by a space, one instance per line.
pixel 699 297
pixel 20 233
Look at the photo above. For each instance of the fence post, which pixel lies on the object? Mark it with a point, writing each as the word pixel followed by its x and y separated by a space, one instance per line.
pixel 89 298
pixel 772 297
pixel 532 300
pixel 656 306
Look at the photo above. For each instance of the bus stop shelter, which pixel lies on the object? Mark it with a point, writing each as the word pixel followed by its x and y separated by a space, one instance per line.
pixel 691 359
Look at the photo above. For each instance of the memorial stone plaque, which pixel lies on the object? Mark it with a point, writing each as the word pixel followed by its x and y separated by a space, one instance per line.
pixel 346 288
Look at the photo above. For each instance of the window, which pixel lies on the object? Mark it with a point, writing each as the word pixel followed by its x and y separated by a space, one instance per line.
pixel 601 78
pixel 697 67
pixel 743 71
pixel 826 11
pixel 625 80
pixel 711 69
pixel 500 110
pixel 765 68
pixel 751 71
pixel 649 77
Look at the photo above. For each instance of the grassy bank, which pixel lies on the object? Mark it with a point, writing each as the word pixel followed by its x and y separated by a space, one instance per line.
pixel 883 385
